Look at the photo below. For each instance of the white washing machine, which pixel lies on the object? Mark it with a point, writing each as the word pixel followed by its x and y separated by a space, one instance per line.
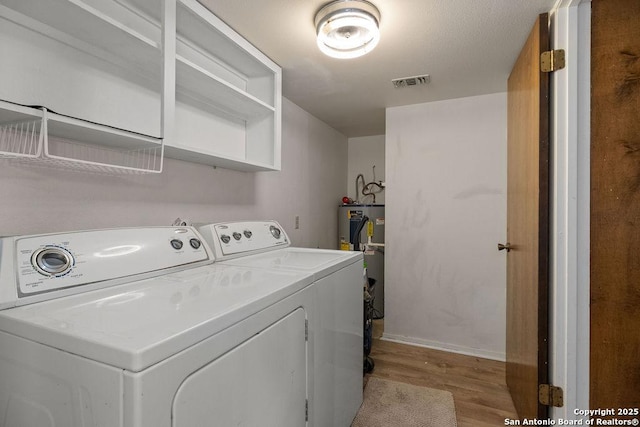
pixel 136 328
pixel 336 323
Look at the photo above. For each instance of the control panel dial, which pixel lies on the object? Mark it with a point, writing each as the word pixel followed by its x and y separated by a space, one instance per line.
pixel 225 238
pixel 248 234
pixel 52 261
pixel 237 235
pixel 176 243
pixel 275 231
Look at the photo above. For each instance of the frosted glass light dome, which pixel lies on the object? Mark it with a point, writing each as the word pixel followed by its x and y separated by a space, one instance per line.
pixel 347 28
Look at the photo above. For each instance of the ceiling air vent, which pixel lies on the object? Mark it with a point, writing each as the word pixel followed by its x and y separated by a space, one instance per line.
pixel 411 81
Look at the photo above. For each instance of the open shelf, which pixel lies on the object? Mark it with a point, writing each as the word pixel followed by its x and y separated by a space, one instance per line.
pixel 206 41
pixel 216 159
pixel 228 96
pixel 200 84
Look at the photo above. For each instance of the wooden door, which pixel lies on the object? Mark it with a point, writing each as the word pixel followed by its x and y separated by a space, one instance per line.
pixel 528 224
pixel 615 205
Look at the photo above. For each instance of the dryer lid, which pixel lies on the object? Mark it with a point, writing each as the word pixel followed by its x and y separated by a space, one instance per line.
pixel 318 262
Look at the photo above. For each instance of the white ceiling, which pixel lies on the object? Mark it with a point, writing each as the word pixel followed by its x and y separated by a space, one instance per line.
pixel 467 46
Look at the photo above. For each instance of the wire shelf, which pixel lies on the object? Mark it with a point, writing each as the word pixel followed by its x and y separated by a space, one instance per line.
pixel 75 155
pixel 59 141
pixel 20 132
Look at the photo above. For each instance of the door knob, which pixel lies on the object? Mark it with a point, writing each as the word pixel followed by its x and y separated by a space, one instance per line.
pixel 502 247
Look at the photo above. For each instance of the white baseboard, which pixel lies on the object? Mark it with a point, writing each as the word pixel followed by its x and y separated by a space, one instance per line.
pixel 453 348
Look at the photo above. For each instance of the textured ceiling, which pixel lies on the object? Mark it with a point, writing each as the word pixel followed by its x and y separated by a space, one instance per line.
pixel 467 46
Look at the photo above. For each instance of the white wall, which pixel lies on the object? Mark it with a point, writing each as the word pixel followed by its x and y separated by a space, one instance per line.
pixel 311 184
pixel 364 153
pixel 445 281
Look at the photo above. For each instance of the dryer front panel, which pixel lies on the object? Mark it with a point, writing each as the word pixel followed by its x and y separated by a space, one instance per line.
pixel 261 382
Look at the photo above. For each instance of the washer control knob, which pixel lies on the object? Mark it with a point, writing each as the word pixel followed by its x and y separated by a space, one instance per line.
pixel 195 243
pixel 248 234
pixel 225 238
pixel 237 235
pixel 52 261
pixel 275 231
pixel 176 243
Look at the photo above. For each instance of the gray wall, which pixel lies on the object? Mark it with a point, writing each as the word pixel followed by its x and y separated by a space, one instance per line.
pixel 311 184
pixel 364 153
pixel 445 281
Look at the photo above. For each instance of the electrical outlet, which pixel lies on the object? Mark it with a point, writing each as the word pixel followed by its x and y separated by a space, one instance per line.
pixel 297 226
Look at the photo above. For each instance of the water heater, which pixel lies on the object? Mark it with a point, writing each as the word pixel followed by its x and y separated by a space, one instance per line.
pixel 349 217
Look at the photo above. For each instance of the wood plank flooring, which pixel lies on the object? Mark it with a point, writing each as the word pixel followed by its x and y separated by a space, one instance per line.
pixel 478 385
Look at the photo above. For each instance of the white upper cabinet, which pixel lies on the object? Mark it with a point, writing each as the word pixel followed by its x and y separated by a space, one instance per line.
pixel 124 77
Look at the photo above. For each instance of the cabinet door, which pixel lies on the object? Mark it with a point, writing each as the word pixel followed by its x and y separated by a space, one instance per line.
pixel 260 382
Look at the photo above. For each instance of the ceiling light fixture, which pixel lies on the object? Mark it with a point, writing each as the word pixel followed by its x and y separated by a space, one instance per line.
pixel 347 28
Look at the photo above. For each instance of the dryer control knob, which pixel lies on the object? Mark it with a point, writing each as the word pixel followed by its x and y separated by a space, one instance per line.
pixel 275 231
pixel 52 261
pixel 177 244
pixel 195 243
pixel 248 234
pixel 237 235
pixel 225 238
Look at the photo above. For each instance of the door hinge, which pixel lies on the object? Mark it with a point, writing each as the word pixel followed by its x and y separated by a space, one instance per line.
pixel 306 329
pixel 552 60
pixel 550 395
pixel 306 410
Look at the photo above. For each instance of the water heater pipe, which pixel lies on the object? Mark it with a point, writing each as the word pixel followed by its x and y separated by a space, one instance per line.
pixel 370 243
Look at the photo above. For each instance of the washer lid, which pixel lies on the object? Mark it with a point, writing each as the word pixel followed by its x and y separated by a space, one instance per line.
pixel 319 262
pixel 136 325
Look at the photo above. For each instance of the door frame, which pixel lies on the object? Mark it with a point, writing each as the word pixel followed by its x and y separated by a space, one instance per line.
pixel 570 211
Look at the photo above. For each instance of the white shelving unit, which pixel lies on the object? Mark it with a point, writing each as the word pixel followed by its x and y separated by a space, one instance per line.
pixel 228 96
pixel 120 83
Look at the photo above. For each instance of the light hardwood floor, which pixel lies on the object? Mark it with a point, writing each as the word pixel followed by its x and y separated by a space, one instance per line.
pixel 478 385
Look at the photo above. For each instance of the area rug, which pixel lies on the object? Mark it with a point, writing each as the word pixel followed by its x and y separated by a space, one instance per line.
pixel 389 403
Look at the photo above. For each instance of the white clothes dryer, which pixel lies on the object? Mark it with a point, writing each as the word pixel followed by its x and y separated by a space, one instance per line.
pixel 136 328
pixel 335 324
